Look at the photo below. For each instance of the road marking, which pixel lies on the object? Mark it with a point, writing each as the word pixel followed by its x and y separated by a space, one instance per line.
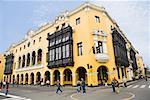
pixel 135 86
pixel 133 95
pixel 13 97
pixel 73 97
pixel 129 86
pixel 142 86
pixel 149 86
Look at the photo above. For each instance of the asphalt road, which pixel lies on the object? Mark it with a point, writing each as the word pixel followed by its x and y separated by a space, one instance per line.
pixel 140 90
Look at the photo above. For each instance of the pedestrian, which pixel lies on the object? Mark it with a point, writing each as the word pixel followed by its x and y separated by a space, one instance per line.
pixel 117 85
pixel 47 83
pixel 113 84
pixel 101 82
pixel 17 83
pixel 106 82
pixel 1 85
pixel 58 87
pixel 14 83
pixel 78 86
pixel 83 85
pixel 4 84
pixel 146 77
pixel 7 88
pixel 124 81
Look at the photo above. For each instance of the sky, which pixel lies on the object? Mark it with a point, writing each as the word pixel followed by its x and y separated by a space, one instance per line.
pixel 18 17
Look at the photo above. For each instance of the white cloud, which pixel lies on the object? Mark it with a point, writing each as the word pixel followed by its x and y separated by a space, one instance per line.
pixel 41 14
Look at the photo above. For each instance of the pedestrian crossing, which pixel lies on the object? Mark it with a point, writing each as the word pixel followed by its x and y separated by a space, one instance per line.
pixel 13 97
pixel 139 86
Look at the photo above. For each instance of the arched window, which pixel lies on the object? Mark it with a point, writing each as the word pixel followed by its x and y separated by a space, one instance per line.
pixel 56 76
pixel 28 59
pixel 102 74
pixel 34 42
pixel 39 58
pixel 23 61
pixel 33 57
pixel 39 39
pixel 19 62
pixel 67 75
pixel 28 44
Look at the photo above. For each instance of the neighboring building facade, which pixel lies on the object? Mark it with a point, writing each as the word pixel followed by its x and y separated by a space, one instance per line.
pixel 84 43
pixel 140 65
pixel 1 66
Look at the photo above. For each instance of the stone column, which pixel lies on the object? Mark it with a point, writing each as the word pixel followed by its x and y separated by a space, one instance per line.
pixel 94 78
pixel 74 78
pixel 35 77
pixel 51 78
pixel 61 78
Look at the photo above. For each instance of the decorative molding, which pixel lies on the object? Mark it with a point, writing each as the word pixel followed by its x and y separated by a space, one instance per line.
pixel 29 68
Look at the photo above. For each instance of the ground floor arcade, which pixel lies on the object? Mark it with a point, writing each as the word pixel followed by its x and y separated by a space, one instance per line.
pixel 68 76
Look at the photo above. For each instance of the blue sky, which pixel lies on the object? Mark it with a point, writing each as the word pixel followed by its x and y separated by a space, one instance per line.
pixel 18 17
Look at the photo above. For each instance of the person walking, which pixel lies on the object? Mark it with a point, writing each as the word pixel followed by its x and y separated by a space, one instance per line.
pixel 117 85
pixel 1 85
pixel 83 85
pixel 47 83
pixel 146 77
pixel 4 84
pixel 78 86
pixel 58 87
pixel 124 81
pixel 113 83
pixel 14 82
pixel 7 88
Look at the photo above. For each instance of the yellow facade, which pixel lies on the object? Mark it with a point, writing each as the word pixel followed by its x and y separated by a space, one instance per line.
pixel 140 65
pixel 1 67
pixel 84 32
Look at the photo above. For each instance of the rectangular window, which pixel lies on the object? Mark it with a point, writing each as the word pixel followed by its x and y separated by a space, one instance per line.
pixel 79 45
pixel 64 37
pixel 59 39
pixel 63 25
pixel 63 51
pixel 67 51
pixel 67 36
pixel 100 45
pixel 57 28
pixel 57 54
pixel 97 19
pixel 52 42
pixel 99 49
pixel 50 55
pixel 78 21
pixel 53 54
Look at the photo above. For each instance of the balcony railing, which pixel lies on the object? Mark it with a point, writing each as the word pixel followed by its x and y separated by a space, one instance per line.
pixel 102 57
pixel 30 68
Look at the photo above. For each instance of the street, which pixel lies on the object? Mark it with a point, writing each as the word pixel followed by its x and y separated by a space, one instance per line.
pixel 138 90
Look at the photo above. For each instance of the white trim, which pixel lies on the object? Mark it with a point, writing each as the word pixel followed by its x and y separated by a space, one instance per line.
pixel 29 68
pixel 142 86
pixel 135 86
pixel 13 97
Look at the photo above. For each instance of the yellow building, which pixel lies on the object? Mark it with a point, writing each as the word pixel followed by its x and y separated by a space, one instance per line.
pixel 1 67
pixel 140 65
pixel 82 43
